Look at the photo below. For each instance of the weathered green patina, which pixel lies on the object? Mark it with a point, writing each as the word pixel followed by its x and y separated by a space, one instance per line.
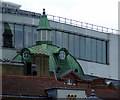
pixel 59 58
pixel 44 23
pixel 55 62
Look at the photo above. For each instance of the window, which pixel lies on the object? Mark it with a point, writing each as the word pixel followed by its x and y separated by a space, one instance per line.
pixel 77 46
pixel 82 47
pixel 93 56
pixel 59 39
pixel 35 35
pixel 53 38
pixel 64 82
pixel 74 83
pixel 62 54
pixel 88 48
pixel 26 55
pixel 69 81
pixel 65 40
pixel 43 35
pixel 104 58
pixel 1 38
pixel 18 36
pixel 28 36
pixel 99 51
pixel 93 50
pixel 8 33
pixel 107 52
pixel 71 44
pixel 48 33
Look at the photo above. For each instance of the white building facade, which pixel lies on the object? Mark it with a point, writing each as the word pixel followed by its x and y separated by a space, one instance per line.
pixel 96 48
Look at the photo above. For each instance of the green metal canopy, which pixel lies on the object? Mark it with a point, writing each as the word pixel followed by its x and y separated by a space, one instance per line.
pixel 44 23
pixel 68 62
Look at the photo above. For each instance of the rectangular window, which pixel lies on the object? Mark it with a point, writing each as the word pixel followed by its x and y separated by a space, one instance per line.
pixel 77 47
pixel 104 58
pixel 12 30
pixel 43 35
pixel 53 37
pixel 28 40
pixel 93 56
pixel 35 35
pixel 59 39
pixel 88 48
pixel 2 28
pixel 48 33
pixel 82 47
pixel 8 28
pixel 71 44
pixel 18 36
pixel 65 40
pixel 69 81
pixel 1 37
pixel 99 51
pixel 107 50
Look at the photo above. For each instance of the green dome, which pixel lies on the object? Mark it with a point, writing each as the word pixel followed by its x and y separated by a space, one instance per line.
pixel 64 62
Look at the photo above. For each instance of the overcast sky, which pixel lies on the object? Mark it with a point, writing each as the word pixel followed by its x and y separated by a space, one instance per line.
pixel 98 12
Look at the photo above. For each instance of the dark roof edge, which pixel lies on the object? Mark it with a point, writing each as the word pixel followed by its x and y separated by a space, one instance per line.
pixel 22 96
pixel 64 88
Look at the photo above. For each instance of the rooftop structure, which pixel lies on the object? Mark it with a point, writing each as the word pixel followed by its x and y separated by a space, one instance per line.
pixel 96 48
pixel 10 5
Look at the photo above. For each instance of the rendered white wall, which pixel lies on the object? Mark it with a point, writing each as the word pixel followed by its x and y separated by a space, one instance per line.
pixel 64 93
pixel 113 49
pixel 8 53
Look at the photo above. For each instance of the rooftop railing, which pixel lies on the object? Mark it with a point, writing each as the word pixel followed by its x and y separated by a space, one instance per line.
pixel 83 24
pixel 62 20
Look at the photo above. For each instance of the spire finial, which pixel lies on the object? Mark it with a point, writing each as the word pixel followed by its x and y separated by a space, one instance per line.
pixel 43 11
pixel 93 93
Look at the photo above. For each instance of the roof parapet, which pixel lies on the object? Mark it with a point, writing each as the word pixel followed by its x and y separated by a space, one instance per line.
pixel 10 5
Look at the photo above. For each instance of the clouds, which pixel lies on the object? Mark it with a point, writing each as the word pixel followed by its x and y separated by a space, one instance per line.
pixel 100 12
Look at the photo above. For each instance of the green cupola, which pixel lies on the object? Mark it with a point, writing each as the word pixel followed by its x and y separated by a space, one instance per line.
pixel 44 28
pixel 60 60
pixel 44 23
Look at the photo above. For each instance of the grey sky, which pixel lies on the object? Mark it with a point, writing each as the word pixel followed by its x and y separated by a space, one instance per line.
pixel 99 12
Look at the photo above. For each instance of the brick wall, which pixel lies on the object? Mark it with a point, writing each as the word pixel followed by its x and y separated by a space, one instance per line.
pixel 12 69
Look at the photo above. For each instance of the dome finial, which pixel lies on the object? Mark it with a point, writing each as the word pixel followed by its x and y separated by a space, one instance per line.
pixel 93 93
pixel 43 11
